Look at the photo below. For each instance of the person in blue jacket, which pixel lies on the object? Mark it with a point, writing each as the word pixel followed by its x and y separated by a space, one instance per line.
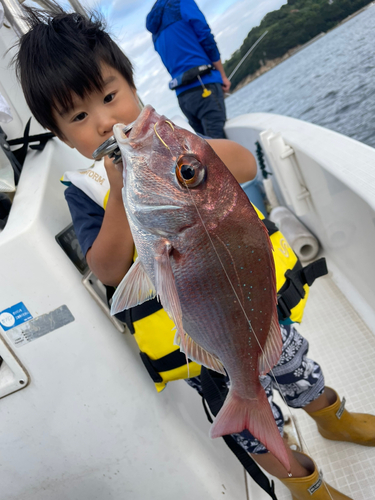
pixel 184 41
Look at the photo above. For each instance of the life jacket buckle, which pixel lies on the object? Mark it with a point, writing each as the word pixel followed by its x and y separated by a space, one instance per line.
pixel 295 281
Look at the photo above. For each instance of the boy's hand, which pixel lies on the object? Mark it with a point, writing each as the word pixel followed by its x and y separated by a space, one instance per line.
pixel 115 178
pixel 111 254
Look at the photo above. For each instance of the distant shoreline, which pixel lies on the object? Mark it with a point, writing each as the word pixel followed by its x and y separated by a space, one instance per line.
pixel 269 64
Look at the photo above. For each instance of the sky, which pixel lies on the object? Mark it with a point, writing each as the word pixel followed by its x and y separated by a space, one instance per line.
pixel 230 22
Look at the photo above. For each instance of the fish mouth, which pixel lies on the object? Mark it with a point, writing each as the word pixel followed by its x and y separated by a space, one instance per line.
pixel 139 129
pixel 144 124
pixel 125 134
pixel 148 124
pixel 143 129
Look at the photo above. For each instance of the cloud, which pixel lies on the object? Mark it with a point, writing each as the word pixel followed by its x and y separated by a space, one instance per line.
pixel 128 7
pixel 138 45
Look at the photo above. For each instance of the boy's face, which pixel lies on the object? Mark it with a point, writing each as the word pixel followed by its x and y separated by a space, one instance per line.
pixel 90 122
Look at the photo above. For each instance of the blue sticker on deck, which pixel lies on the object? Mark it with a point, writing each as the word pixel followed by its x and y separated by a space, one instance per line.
pixel 40 326
pixel 14 316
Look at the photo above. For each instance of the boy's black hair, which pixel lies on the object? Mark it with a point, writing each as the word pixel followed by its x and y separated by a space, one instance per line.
pixel 61 55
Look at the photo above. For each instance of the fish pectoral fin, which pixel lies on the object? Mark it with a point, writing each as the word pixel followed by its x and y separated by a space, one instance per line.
pixel 134 289
pixel 166 286
pixel 272 348
pixel 167 291
pixel 196 353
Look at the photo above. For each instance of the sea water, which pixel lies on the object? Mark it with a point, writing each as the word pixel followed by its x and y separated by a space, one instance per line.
pixel 330 82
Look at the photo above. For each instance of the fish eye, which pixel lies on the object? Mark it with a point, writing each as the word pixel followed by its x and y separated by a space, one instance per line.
pixel 189 171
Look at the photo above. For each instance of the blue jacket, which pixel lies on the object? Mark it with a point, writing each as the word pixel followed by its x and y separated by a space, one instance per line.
pixel 183 39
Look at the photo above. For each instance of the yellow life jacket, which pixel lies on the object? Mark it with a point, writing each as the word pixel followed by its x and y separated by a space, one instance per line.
pixel 151 326
pixel 285 260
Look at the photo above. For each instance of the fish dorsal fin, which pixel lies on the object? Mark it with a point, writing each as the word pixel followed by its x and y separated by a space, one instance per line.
pixel 272 348
pixel 196 353
pixel 134 289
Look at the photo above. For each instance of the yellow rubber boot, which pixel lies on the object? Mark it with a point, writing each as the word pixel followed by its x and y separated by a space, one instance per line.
pixel 336 423
pixel 311 487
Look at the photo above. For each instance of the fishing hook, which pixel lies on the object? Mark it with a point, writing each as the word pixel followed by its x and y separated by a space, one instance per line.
pixel 158 136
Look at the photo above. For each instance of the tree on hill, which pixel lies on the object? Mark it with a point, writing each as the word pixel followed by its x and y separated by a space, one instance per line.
pixel 295 23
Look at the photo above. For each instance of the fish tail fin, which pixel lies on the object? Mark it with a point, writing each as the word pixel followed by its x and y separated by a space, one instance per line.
pixel 255 415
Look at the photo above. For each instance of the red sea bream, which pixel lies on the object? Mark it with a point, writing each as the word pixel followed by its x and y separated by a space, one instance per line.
pixel 203 250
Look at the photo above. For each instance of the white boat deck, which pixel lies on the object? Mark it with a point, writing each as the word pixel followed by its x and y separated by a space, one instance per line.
pixel 345 348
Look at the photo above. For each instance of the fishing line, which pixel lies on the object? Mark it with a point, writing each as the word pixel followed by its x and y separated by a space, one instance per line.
pixel 225 272
pixel 249 322
pixel 244 312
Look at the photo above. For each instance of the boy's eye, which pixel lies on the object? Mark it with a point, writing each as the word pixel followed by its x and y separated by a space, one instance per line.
pixel 109 97
pixel 80 117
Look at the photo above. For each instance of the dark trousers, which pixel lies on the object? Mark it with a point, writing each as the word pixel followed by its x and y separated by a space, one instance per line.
pixel 206 115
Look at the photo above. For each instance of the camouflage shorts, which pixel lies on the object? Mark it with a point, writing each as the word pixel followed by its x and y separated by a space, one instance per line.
pixel 299 379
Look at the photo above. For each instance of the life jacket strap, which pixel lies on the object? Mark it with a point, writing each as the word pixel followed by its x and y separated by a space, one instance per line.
pixel 174 359
pixel 129 316
pixel 214 392
pixel 292 291
pixel 315 270
pixel 270 226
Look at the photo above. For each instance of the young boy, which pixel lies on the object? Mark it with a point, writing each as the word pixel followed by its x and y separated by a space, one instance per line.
pixel 79 84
